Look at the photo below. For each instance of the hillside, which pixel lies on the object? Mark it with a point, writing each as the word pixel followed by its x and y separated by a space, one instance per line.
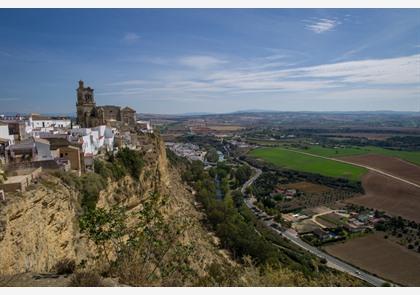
pixel 134 221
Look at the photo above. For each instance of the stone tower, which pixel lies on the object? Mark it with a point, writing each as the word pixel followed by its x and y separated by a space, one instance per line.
pixel 85 105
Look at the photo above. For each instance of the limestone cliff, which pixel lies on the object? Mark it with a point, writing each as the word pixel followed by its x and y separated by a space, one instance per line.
pixel 40 227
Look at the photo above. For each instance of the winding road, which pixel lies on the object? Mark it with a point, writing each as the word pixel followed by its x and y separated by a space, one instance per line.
pixel 294 238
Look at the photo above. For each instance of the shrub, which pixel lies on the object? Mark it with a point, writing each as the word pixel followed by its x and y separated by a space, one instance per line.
pixel 131 160
pixel 65 266
pixel 86 279
pixel 91 185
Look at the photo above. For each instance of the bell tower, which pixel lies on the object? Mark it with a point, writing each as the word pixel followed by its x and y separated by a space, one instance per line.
pixel 85 104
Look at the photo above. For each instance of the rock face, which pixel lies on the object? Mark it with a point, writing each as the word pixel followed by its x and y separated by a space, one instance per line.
pixel 39 228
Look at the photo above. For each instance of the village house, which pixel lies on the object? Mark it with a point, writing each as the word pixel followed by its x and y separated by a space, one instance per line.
pixel 38 121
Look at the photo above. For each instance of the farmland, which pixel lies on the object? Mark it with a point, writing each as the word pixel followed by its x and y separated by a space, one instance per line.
pixel 380 256
pixel 296 161
pixel 389 195
pixel 413 157
pixel 390 165
pixel 308 187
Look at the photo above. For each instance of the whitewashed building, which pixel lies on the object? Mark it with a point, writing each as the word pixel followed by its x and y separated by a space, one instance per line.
pixel 4 134
pixel 38 121
pixel 93 139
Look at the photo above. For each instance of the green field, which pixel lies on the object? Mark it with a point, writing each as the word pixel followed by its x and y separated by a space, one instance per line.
pixel 296 161
pixel 413 157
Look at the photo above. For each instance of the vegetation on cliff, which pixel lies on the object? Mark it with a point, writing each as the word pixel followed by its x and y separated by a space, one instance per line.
pixel 264 258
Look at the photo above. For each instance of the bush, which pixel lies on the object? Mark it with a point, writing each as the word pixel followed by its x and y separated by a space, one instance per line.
pixel 91 185
pixel 132 161
pixel 65 266
pixel 86 279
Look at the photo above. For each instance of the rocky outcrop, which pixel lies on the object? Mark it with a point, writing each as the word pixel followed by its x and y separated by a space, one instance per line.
pixel 39 228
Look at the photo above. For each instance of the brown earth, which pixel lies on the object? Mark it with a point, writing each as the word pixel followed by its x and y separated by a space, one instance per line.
pixel 325 223
pixel 225 127
pixel 308 187
pixel 390 195
pixel 391 165
pixel 372 136
pixel 380 256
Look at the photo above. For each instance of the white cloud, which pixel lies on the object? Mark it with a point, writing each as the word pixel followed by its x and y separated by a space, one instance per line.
pixel 130 38
pixel 322 25
pixel 201 61
pixel 399 75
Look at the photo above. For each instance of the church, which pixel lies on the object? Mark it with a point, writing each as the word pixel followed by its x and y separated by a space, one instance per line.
pixel 89 115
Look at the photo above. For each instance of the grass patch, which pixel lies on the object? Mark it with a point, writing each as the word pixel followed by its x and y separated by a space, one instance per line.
pixel 295 161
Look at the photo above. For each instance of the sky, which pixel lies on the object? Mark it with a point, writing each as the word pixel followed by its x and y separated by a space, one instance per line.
pixel 174 61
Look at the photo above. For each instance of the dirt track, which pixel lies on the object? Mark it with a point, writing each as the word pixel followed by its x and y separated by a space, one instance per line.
pixel 382 257
pixel 391 165
pixel 389 195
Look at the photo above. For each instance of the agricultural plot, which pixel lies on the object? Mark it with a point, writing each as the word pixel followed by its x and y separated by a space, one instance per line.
pixel 413 157
pixel 296 161
pixel 391 165
pixel 380 256
pixel 308 187
pixel 392 196
pixel 331 220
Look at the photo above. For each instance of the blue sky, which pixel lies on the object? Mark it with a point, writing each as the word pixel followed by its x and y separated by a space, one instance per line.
pixel 211 60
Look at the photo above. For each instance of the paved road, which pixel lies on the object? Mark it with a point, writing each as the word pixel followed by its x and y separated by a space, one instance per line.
pixel 294 238
pixel 358 165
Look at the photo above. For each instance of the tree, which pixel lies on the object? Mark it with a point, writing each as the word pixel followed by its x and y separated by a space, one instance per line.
pixel 212 156
pixel 237 198
pixel 132 161
pixel 143 251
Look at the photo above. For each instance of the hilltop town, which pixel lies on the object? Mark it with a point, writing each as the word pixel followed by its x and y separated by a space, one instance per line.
pixel 32 143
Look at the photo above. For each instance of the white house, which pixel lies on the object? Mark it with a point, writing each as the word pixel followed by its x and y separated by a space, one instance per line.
pixel 4 134
pixel 145 126
pixel 93 139
pixel 43 151
pixel 39 121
